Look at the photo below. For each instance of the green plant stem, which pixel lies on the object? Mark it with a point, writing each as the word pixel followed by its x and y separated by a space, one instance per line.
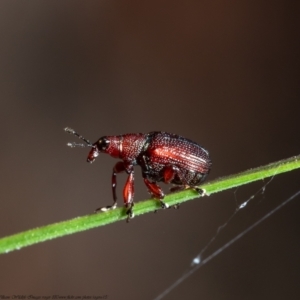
pixel 48 232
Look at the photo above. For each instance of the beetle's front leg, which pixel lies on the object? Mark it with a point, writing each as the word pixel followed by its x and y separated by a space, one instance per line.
pixel 128 194
pixel 118 168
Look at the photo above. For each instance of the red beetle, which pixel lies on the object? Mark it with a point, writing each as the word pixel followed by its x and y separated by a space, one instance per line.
pixel 163 157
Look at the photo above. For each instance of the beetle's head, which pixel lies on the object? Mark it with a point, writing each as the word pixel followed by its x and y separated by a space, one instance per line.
pixel 92 155
pixel 100 146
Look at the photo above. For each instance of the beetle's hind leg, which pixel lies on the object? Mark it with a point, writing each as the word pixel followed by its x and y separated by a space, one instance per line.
pixel 201 192
pixel 179 188
pixel 185 179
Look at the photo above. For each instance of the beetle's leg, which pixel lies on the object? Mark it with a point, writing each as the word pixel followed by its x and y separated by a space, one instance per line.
pixel 177 188
pixel 118 168
pixel 169 173
pixel 128 194
pixel 184 185
pixel 201 192
pixel 156 191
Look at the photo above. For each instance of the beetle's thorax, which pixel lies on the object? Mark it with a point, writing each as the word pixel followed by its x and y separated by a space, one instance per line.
pixel 126 147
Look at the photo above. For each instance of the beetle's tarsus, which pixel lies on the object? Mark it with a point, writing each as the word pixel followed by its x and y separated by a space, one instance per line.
pixel 129 211
pixel 164 205
pixel 201 192
pixel 106 208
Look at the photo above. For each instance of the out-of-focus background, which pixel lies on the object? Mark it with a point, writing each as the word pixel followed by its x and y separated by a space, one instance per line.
pixel 225 74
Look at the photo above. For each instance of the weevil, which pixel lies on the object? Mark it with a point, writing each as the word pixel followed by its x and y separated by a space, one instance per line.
pixel 163 157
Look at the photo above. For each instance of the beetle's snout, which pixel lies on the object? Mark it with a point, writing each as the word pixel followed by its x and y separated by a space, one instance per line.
pixel 92 155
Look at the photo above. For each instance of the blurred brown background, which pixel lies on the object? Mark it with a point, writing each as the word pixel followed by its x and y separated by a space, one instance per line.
pixel 225 74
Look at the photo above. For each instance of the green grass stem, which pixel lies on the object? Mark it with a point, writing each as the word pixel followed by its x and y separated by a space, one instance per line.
pixel 48 232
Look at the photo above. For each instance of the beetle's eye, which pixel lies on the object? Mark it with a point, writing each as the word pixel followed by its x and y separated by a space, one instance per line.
pixel 102 144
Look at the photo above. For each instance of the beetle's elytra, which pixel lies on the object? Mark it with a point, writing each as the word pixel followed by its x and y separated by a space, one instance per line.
pixel 163 157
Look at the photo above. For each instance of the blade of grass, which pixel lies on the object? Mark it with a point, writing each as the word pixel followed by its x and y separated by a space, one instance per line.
pixel 48 232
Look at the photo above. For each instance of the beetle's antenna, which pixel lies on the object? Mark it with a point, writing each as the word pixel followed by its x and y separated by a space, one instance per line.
pixel 72 145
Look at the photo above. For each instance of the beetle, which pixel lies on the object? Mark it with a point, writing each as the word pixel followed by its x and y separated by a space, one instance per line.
pixel 163 157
